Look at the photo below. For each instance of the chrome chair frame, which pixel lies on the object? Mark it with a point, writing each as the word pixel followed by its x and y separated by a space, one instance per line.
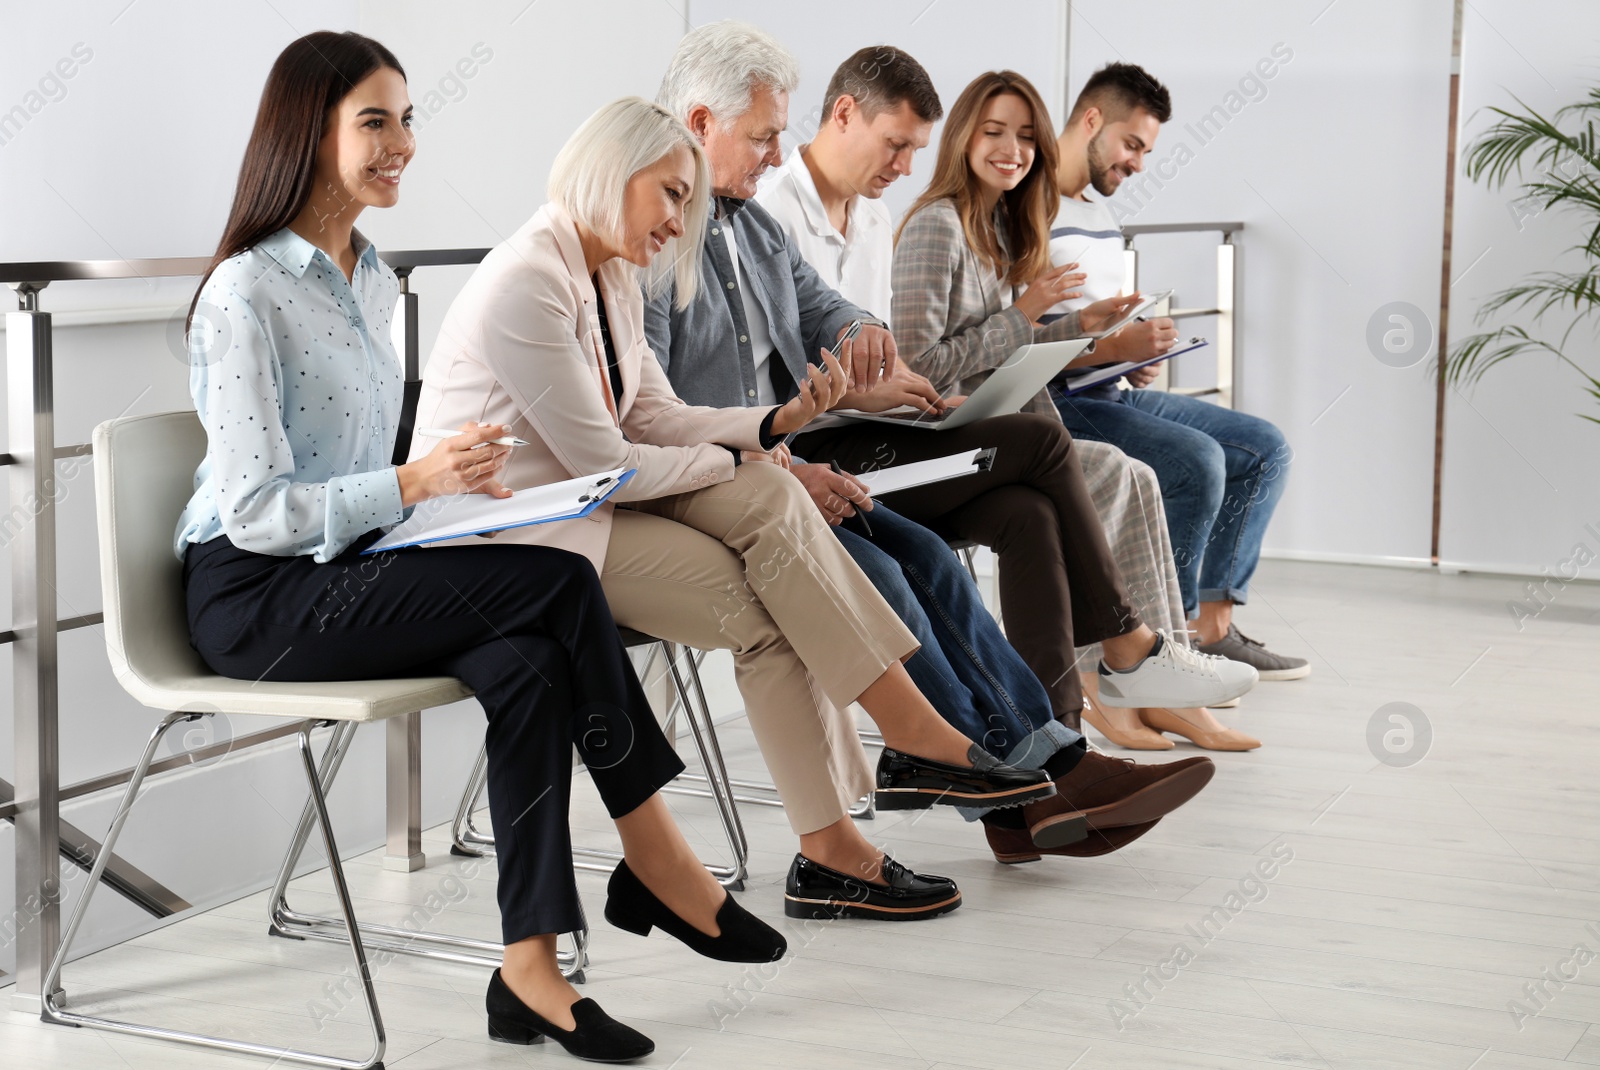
pixel 284 921
pixel 317 809
pixel 469 841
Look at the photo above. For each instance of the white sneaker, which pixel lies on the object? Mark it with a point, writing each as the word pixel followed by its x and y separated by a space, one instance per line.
pixel 1177 677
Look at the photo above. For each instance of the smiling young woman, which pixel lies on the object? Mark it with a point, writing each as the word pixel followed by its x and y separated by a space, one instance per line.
pixel 299 388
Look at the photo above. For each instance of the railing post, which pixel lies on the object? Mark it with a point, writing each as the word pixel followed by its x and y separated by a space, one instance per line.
pixel 403 735
pixel 31 531
pixel 1228 321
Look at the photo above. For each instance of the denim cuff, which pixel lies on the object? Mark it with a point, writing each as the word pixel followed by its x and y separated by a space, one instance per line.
pixel 1237 595
pixel 1031 753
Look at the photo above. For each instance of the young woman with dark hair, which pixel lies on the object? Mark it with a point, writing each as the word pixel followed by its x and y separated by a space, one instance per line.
pixel 299 389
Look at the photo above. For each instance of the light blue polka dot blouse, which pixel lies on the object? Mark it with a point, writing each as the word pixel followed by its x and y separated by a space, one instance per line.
pixel 296 380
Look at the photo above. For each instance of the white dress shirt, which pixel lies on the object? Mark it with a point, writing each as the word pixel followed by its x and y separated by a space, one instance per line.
pixel 857 263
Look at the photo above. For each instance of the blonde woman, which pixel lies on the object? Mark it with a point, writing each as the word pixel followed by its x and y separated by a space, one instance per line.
pixel 716 544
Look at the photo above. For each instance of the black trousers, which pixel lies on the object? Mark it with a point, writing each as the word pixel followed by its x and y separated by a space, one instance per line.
pixel 525 627
pixel 1059 586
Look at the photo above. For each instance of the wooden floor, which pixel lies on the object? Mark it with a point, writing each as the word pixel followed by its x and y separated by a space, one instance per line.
pixel 1420 915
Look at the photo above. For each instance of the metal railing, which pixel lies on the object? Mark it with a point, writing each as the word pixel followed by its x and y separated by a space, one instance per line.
pixel 30 433
pixel 1226 309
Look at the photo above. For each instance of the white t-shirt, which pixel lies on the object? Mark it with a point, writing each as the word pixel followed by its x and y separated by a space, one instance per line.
pixel 856 263
pixel 755 319
pixel 1086 233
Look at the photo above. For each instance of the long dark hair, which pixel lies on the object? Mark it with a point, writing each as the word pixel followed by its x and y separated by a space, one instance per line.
pixel 1028 209
pixel 312 75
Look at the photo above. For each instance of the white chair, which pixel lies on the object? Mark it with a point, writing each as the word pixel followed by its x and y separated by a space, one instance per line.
pixel 143 478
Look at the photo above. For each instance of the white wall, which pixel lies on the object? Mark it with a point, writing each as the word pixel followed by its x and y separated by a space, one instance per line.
pixel 1337 171
pixel 1520 487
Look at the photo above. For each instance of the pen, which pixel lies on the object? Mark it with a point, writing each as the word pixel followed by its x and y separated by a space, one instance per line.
pixel 861 514
pixel 444 432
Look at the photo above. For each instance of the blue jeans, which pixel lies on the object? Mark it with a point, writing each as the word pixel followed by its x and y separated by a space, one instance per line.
pixel 1222 473
pixel 966 668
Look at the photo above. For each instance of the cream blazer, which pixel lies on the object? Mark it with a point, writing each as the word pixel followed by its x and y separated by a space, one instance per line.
pixel 521 346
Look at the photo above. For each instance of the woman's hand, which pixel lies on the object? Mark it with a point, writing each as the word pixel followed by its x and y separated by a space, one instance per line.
pixel 1049 290
pixel 823 389
pixel 466 464
pixel 779 456
pixel 1097 317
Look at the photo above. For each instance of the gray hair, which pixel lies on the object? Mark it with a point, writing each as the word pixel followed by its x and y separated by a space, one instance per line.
pixel 720 65
pixel 589 180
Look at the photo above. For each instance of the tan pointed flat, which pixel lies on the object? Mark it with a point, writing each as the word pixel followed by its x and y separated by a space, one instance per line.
pixel 1123 727
pixel 1191 724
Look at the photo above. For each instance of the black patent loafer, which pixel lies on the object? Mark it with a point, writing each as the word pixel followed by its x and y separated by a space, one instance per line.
pixel 815 891
pixel 906 782
pixel 597 1036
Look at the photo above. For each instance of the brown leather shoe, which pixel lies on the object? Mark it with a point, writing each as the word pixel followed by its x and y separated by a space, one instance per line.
pixel 1115 792
pixel 1015 846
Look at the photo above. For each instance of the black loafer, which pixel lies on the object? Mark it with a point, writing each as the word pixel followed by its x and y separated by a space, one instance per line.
pixel 814 891
pixel 906 782
pixel 598 1037
pixel 744 937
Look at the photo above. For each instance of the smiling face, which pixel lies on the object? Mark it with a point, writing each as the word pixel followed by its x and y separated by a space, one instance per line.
pixel 741 151
pixel 1117 150
pixel 1001 149
pixel 366 145
pixel 877 152
pixel 652 207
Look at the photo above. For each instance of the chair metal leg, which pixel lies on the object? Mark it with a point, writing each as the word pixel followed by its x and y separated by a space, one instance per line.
pixel 285 921
pixel 706 743
pixel 468 840
pixel 55 1013
pixel 698 713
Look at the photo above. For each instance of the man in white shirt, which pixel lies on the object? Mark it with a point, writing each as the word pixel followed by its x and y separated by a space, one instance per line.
pixel 1222 472
pixel 828 194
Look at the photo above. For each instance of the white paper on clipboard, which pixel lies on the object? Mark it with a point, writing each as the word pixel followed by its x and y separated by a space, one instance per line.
pixel 471 514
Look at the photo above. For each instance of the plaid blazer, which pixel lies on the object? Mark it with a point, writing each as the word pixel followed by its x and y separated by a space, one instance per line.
pixel 954 320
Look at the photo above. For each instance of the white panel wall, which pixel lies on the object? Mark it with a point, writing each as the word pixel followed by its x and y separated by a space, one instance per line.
pixel 1336 166
pixel 1520 490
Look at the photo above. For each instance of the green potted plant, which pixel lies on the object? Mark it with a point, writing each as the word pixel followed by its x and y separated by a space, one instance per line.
pixel 1566 174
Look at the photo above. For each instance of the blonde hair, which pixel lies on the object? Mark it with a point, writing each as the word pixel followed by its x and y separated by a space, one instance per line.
pixel 590 176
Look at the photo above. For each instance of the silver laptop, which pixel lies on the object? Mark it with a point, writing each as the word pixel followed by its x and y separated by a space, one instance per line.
pixel 1008 388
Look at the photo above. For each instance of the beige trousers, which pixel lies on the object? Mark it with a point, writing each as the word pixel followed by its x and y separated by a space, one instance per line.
pixel 750 566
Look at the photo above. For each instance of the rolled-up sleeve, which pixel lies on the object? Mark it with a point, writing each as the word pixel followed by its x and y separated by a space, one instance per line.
pixel 259 504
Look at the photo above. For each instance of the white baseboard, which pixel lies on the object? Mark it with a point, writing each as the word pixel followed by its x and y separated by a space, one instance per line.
pixel 1446 568
pixel 1327 558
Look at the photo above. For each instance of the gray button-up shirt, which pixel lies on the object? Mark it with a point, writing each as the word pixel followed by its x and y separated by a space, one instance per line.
pixel 705 348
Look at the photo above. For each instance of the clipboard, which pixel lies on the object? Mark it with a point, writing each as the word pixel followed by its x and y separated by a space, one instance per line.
pixel 472 514
pixel 883 481
pixel 1070 385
